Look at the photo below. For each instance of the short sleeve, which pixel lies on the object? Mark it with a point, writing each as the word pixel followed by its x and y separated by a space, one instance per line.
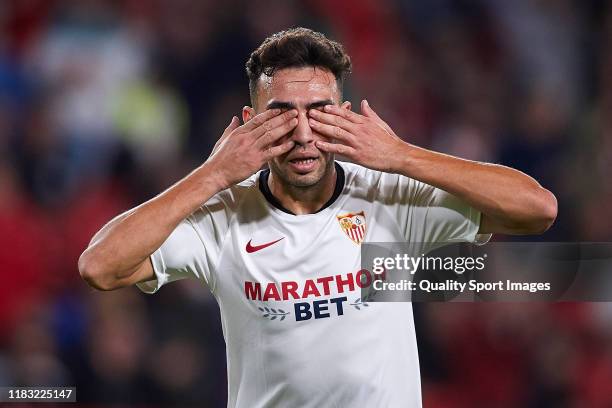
pixel 193 249
pixel 434 217
pixel 181 256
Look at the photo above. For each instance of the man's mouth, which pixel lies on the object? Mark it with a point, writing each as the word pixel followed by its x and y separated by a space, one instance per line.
pixel 303 164
pixel 303 161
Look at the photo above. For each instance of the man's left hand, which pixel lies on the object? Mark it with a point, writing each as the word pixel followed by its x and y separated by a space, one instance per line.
pixel 363 138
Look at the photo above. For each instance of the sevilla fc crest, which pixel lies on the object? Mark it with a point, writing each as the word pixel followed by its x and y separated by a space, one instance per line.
pixel 353 225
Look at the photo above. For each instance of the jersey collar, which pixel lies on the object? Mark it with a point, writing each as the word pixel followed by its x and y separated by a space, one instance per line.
pixel 265 189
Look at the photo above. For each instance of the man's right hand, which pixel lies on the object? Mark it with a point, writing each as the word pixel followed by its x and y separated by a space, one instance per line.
pixel 243 150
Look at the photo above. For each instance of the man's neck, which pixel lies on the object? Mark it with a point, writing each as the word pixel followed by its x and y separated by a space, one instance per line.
pixel 304 200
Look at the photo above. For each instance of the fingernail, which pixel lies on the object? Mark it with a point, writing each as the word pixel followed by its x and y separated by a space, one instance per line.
pixel 366 102
pixel 328 108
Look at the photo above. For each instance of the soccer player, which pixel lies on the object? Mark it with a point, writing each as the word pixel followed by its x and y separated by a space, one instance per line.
pixel 280 248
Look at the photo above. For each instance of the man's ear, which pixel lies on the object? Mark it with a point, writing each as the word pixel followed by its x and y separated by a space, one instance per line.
pixel 346 105
pixel 248 113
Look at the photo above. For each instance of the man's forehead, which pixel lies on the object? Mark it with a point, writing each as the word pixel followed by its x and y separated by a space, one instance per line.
pixel 308 79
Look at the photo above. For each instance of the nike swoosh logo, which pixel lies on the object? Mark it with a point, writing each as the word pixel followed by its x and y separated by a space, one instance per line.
pixel 254 248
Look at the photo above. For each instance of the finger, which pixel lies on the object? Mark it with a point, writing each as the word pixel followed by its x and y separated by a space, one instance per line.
pixel 369 112
pixel 331 131
pixel 260 119
pixel 332 119
pixel 345 113
pixel 337 148
pixel 271 136
pixel 273 123
pixel 234 123
pixel 274 151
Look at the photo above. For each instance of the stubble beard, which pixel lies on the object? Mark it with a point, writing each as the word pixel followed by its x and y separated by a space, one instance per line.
pixel 302 181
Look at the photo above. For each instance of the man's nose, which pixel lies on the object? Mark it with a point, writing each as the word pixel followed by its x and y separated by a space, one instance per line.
pixel 302 134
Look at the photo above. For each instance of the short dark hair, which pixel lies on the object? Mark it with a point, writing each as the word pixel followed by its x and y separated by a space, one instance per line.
pixel 295 48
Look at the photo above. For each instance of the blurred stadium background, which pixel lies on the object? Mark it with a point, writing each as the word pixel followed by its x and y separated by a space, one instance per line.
pixel 105 103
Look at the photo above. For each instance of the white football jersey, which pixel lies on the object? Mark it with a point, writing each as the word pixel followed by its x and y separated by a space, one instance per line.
pixel 288 287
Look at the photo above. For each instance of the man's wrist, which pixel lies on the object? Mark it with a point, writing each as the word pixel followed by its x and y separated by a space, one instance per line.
pixel 402 159
pixel 191 192
pixel 214 180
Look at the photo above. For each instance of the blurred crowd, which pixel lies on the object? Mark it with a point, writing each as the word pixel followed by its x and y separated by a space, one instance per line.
pixel 104 103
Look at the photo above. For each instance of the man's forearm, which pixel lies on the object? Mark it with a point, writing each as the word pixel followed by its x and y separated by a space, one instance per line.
pixel 122 245
pixel 118 254
pixel 512 202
